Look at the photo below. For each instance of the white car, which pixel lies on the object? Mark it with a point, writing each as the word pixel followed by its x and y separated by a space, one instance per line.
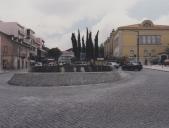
pixel 38 64
pixel 113 65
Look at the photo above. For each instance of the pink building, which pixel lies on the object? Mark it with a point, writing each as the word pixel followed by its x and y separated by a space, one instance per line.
pixel 18 46
pixel 40 44
pixel 13 28
pixel 13 55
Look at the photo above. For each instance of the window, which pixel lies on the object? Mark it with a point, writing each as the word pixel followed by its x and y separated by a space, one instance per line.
pixel 153 52
pixel 5 50
pixel 148 39
pixel 145 53
pixel 131 53
pixel 144 39
pixel 151 40
pixel 158 39
pixel 140 39
pixel 147 25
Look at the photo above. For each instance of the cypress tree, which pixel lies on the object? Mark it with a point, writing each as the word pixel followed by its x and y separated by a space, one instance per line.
pixel 87 44
pixel 79 45
pixel 101 51
pixel 96 50
pixel 91 48
pixel 83 45
pixel 74 44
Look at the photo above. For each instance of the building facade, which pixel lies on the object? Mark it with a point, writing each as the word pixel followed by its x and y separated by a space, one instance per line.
pixel 146 41
pixel 108 45
pixel 66 57
pixel 14 54
pixel 17 45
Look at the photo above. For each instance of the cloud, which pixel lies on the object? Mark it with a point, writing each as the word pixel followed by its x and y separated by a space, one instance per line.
pixel 55 20
pixel 151 9
pixel 57 7
pixel 83 14
pixel 108 23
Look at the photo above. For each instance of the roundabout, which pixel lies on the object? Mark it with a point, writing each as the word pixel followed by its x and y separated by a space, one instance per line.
pixel 63 79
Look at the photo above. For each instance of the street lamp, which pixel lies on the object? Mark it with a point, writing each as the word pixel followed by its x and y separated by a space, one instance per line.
pixel 138 56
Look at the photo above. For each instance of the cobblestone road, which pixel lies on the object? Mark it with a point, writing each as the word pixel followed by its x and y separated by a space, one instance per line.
pixel 139 101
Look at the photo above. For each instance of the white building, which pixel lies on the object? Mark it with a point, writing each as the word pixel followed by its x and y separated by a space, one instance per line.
pixel 66 57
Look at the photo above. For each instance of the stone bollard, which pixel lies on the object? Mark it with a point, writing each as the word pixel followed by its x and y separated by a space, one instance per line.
pixel 74 69
pixel 62 69
pixel 82 69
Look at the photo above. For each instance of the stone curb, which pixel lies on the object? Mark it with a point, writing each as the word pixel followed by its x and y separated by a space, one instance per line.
pixel 63 79
pixel 156 69
pixel 4 72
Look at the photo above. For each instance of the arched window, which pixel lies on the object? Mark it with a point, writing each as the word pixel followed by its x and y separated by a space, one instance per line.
pixel 147 23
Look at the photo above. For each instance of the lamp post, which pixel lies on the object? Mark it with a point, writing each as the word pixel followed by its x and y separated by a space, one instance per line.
pixel 138 49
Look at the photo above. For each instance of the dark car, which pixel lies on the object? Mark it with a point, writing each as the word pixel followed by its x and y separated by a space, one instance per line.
pixel 132 66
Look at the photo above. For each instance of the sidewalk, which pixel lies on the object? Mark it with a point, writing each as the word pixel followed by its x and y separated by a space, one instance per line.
pixel 2 72
pixel 157 67
pixel 14 71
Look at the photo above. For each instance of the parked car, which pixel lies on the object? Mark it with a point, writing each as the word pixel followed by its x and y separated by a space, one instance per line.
pixel 132 66
pixel 114 65
pixel 166 62
pixel 81 63
pixel 38 64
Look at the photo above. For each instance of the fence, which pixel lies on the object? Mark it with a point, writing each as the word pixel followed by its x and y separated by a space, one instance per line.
pixel 72 68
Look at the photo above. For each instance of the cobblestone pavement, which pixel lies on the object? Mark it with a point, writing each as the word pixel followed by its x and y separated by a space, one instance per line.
pixel 139 101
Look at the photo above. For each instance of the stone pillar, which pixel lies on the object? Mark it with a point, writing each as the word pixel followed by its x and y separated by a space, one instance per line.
pixel 15 63
pixel 74 69
pixel 62 69
pixel 82 69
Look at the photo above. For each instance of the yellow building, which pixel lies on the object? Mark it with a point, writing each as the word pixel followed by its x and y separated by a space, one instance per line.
pixel 108 45
pixel 144 41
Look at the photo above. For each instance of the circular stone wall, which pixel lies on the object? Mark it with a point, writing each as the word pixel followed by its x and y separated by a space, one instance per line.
pixel 63 79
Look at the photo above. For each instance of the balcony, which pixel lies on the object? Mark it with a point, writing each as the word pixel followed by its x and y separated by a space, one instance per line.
pixel 21 32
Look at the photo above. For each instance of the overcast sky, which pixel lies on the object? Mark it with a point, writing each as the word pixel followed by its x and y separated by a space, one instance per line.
pixel 55 20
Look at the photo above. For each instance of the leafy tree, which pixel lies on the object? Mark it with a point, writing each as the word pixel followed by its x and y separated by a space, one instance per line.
pixel 96 50
pixel 74 44
pixel 54 53
pixel 46 48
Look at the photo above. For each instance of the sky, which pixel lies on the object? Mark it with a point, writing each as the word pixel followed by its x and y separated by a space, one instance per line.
pixel 56 20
